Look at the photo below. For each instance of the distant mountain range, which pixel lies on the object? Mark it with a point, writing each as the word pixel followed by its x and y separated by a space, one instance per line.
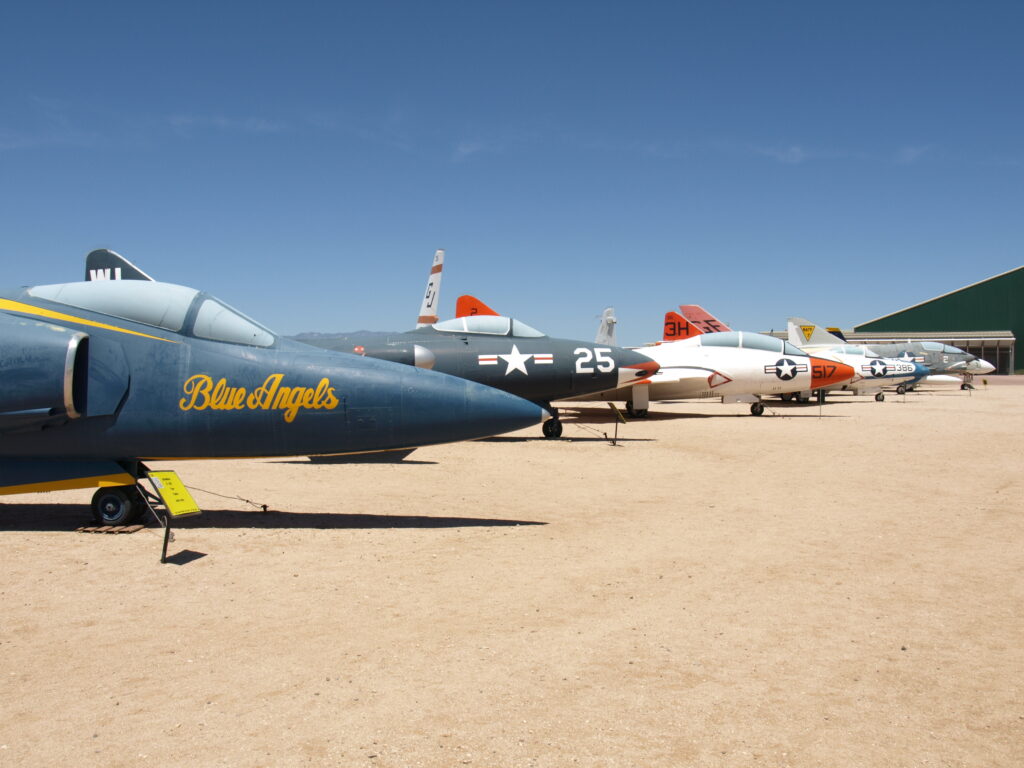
pixel 307 335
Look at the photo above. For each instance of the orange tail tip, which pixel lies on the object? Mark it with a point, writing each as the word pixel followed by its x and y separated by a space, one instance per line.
pixel 824 373
pixel 677 327
pixel 466 306
pixel 704 320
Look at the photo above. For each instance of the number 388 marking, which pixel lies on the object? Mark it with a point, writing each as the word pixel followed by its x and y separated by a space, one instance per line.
pixel 601 357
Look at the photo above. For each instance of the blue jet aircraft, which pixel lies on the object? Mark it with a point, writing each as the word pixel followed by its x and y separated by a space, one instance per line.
pixel 99 377
pixel 484 347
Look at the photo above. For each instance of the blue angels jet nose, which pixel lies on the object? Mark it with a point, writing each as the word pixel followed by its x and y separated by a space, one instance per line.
pixel 386 406
pixel 438 408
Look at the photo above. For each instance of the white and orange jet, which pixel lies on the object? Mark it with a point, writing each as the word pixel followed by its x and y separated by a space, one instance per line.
pixel 737 366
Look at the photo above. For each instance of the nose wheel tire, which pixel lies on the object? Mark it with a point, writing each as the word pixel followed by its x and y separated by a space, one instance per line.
pixel 552 428
pixel 756 409
pixel 117 505
pixel 901 389
pixel 879 397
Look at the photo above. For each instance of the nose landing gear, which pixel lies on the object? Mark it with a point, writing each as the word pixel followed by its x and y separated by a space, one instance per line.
pixel 552 428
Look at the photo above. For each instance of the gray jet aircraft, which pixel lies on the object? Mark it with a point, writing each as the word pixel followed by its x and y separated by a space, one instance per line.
pixel 939 358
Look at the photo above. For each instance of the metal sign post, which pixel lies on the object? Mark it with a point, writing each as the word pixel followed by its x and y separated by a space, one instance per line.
pixel 618 417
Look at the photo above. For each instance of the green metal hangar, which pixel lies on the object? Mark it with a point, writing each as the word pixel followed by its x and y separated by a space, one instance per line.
pixel 985 319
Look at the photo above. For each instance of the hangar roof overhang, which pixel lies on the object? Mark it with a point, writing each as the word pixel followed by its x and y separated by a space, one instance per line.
pixel 940 296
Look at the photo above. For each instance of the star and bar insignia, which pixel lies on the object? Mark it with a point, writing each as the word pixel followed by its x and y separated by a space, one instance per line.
pixel 786 369
pixel 516 360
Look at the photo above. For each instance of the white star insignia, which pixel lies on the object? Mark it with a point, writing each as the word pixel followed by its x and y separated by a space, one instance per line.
pixel 786 369
pixel 516 361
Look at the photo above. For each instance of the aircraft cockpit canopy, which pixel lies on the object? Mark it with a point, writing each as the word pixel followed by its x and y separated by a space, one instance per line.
pixel 748 340
pixel 494 325
pixel 161 305
pixel 856 349
pixel 946 349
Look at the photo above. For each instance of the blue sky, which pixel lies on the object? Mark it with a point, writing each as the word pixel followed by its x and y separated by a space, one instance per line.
pixel 303 160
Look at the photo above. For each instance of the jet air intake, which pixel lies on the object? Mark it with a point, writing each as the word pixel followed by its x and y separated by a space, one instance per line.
pixel 45 371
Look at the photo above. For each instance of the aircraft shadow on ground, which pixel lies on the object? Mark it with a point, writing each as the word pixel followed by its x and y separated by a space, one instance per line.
pixel 401 462
pixel 68 517
pixel 568 437
pixel 656 415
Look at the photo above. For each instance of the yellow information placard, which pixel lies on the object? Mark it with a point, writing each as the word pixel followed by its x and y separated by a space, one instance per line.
pixel 177 499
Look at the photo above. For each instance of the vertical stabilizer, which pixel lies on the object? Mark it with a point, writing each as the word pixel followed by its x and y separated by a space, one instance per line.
pixel 466 306
pixel 606 330
pixel 103 264
pixel 428 310
pixel 704 320
pixel 804 333
pixel 678 328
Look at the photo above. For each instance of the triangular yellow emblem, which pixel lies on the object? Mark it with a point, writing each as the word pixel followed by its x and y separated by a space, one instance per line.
pixel 807 331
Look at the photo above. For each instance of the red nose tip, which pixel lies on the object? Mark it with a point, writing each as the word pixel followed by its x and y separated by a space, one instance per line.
pixel 827 372
pixel 637 372
pixel 643 370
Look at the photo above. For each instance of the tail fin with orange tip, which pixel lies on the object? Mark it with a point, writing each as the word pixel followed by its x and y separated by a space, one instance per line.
pixel 466 306
pixel 428 309
pixel 703 319
pixel 678 327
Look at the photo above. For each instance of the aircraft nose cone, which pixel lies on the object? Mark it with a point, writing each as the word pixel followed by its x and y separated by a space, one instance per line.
pixel 423 357
pixel 634 373
pixel 438 408
pixel 921 370
pixel 980 366
pixel 824 373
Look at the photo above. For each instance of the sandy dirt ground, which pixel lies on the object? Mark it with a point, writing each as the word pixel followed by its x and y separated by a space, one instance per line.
pixel 716 590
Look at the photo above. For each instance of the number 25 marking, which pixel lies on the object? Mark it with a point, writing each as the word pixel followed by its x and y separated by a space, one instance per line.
pixel 602 356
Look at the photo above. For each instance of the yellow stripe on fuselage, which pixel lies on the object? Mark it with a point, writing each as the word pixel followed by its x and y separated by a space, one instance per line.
pixel 97 481
pixel 30 309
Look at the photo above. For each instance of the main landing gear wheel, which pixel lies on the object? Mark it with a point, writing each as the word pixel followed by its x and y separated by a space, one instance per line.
pixel 787 396
pixel 552 428
pixel 901 389
pixel 756 409
pixel 635 413
pixel 879 397
pixel 117 505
